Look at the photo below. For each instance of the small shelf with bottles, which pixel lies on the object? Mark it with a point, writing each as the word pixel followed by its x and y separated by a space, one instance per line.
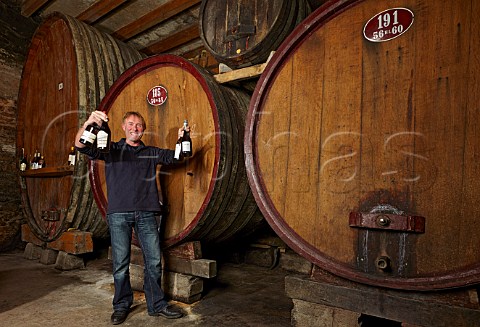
pixel 37 167
pixel 49 171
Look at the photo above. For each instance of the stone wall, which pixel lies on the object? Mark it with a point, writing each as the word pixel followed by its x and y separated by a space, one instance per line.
pixel 16 32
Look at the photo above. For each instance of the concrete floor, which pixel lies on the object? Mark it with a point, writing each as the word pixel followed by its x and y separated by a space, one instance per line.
pixel 33 294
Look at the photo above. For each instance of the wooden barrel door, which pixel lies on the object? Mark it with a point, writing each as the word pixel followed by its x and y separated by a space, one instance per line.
pixel 362 145
pixel 207 197
pixel 68 69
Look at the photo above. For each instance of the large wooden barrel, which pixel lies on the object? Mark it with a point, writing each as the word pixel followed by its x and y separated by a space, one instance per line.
pixel 207 197
pixel 243 33
pixel 68 70
pixel 362 142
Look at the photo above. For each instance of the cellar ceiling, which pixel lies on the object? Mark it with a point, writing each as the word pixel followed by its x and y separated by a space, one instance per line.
pixel 150 26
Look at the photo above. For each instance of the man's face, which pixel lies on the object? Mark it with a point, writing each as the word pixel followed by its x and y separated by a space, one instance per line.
pixel 133 127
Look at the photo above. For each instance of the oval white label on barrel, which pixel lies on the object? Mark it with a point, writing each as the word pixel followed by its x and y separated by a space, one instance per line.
pixel 157 95
pixel 388 24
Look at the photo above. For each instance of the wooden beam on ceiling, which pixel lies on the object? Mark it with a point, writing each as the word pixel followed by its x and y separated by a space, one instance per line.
pixel 29 7
pixel 153 18
pixel 98 10
pixel 174 40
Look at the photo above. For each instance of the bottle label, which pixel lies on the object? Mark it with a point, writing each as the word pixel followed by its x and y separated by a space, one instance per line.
pixel 178 148
pixel 23 166
pixel 186 146
pixel 88 137
pixel 71 159
pixel 102 139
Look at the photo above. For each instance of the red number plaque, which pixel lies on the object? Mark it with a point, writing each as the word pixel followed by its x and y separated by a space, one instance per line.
pixel 388 24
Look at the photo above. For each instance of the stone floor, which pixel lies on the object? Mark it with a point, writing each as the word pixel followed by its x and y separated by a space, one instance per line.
pixel 34 294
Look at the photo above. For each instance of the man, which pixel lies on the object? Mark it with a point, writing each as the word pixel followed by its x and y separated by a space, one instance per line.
pixel 130 170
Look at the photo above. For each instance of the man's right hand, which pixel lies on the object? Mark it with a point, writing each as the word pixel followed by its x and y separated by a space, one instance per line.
pixel 96 117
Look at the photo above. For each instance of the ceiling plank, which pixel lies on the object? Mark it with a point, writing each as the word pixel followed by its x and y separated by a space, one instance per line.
pixel 98 10
pixel 29 7
pixel 153 18
pixel 174 40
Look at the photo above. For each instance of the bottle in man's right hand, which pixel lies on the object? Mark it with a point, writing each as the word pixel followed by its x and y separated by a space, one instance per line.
pixel 89 135
pixel 104 138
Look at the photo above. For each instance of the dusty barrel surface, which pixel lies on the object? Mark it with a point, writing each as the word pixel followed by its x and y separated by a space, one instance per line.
pixel 242 33
pixel 362 142
pixel 208 196
pixel 69 68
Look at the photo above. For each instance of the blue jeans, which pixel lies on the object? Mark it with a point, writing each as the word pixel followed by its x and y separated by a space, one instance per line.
pixel 146 229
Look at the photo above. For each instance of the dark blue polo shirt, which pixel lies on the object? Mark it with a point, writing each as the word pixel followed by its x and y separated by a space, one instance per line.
pixel 131 175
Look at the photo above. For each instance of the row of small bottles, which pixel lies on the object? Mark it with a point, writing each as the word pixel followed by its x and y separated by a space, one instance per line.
pixel 38 160
pixel 97 136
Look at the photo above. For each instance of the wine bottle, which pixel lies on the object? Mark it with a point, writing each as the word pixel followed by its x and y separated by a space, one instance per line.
pixel 178 149
pixel 72 156
pixel 37 159
pixel 89 135
pixel 186 141
pixel 41 162
pixel 23 161
pixel 103 138
pixel 34 161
